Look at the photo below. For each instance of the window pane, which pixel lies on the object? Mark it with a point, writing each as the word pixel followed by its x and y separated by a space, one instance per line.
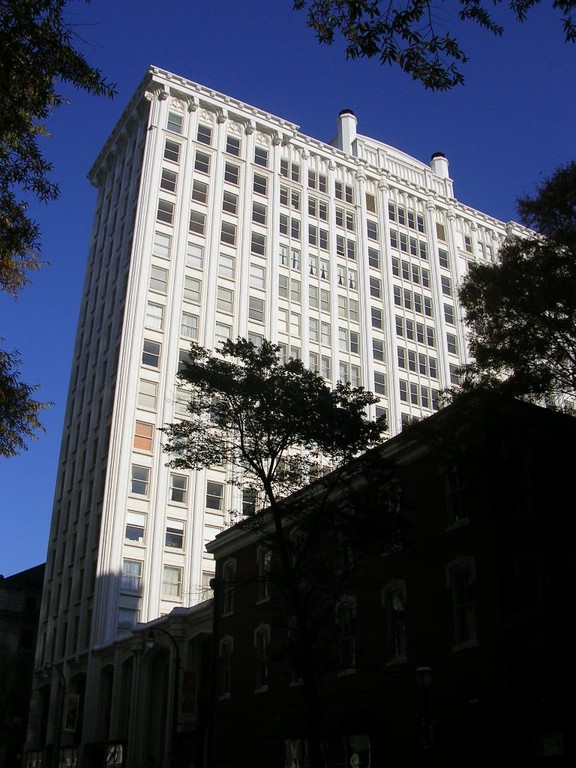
pixel 140 480
pixel 174 534
pixel 214 495
pixel 151 353
pixel 143 435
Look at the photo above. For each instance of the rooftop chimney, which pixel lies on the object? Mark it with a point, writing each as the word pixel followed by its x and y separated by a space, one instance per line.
pixel 439 165
pixel 346 135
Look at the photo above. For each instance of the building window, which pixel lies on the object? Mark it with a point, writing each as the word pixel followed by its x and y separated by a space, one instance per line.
pixel 232 174
pixel 233 145
pixel 230 203
pixel 172 151
pixel 161 245
pixel 454 375
pixel 158 279
pixel 375 287
pixel 461 577
pixel 151 353
pixel 165 211
pixel 178 489
pixel 259 213
pixel 168 180
pixel 372 229
pixel 222 333
pixel 256 309
pixel 197 223
pixel 379 383
pixel 446 285
pixel 183 359
pixel 135 527
pixel 290 170
pixel 131 576
pixel 262 647
pixel 258 244
pixel 200 192
pixel 378 349
pixel 194 256
pixel 325 333
pixel 376 315
pixel 189 326
pixel 345 621
pixel 174 536
pixel 228 233
pixel 257 276
pixel 225 300
pixel 140 480
pixel 202 162
pixel 225 666
pixel 455 492
pixel 261 156
pixel 171 582
pixel 264 563
pixel 452 343
pixel 214 495
pixel 143 435
pixel 127 620
pixel 394 604
pixel 373 258
pixel 192 289
pixel 260 184
pixel 147 394
pixel 228 578
pixel 449 314
pixel 226 266
pixel 204 134
pixel 154 316
pixel 174 122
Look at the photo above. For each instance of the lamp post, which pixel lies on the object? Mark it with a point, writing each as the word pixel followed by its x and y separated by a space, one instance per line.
pixel 44 672
pixel 150 642
pixel 424 679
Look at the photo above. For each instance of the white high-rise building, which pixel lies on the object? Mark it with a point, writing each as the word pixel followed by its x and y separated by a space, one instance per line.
pixel 214 220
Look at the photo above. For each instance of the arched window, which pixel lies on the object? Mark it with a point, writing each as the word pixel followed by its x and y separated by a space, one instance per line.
pixel 225 666
pixel 394 605
pixel 461 581
pixel 262 647
pixel 228 576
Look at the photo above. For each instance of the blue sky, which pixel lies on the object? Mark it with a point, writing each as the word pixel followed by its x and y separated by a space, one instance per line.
pixel 508 127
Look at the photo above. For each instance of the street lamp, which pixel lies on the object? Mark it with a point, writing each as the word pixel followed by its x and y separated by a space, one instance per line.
pixel 424 679
pixel 150 643
pixel 44 672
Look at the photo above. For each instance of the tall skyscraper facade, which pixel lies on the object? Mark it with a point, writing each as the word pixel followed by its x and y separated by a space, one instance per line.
pixel 216 220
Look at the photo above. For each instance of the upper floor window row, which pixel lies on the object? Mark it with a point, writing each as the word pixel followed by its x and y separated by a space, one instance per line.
pixel 406 217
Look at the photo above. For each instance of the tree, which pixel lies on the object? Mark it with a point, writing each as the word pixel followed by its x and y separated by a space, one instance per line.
pixel 410 36
pixel 279 426
pixel 36 54
pixel 521 312
pixel 18 409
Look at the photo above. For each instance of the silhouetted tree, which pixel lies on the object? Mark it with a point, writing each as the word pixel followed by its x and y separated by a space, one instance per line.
pixel 521 311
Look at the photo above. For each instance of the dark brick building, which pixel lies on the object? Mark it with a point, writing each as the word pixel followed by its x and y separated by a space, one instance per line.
pixel 478 600
pixel 19 610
